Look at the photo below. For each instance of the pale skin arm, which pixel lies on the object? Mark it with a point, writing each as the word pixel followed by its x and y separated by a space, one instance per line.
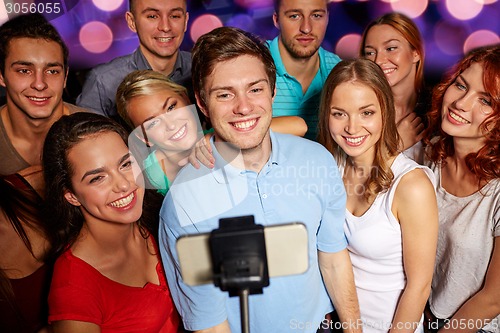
pixel 336 269
pixel 289 125
pixel 73 326
pixel 485 304
pixel 221 328
pixel 415 208
pixel 410 130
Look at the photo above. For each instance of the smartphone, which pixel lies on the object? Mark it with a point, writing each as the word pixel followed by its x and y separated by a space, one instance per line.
pixel 286 248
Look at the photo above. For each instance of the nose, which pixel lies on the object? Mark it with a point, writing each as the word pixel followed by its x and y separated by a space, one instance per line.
pixel 164 24
pixel 121 182
pixel 352 126
pixel 465 102
pixel 244 105
pixel 380 58
pixel 305 25
pixel 39 82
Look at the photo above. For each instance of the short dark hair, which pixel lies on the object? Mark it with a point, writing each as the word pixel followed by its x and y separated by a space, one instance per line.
pixel 29 26
pixel 226 43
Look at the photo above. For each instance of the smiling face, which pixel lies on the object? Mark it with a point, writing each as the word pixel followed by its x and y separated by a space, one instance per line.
pixel 103 181
pixel 302 25
pixel 160 26
pixel 34 78
pixel 238 101
pixel 466 105
pixel 165 118
pixel 355 121
pixel 389 49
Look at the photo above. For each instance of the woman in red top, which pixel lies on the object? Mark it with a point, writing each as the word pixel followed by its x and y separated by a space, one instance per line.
pixel 108 276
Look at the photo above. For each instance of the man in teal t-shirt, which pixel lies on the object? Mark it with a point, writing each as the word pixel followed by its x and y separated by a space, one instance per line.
pixel 302 65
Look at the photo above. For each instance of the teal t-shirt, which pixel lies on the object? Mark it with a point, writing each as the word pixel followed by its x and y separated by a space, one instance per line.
pixel 155 174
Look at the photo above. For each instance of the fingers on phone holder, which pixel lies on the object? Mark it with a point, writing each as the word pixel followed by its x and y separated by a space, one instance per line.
pixel 238 251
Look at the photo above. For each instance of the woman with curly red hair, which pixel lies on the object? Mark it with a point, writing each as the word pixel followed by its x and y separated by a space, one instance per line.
pixel 463 151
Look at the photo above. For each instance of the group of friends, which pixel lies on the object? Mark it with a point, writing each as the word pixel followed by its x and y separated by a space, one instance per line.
pixel 397 184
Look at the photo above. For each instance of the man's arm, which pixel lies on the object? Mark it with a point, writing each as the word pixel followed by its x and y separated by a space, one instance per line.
pixel 338 277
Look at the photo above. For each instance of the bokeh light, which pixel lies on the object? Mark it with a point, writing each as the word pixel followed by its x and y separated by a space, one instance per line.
pixel 203 24
pixel 90 31
pixel 348 46
pixel 108 5
pixel 252 4
pixel 486 2
pixel 411 8
pixel 480 38
pixel 3 14
pixel 464 9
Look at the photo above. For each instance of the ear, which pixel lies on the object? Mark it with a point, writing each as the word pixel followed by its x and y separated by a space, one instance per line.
pixel 71 198
pixel 2 82
pixel 416 56
pixel 201 105
pixel 276 20
pixel 186 23
pixel 129 17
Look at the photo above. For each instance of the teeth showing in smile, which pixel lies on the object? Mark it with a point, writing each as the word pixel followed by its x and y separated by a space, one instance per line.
pixel 179 133
pixel 355 141
pixel 388 71
pixel 456 117
pixel 164 39
pixel 245 124
pixel 38 99
pixel 123 202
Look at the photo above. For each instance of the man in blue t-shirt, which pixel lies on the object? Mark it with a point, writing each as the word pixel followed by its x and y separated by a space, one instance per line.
pixel 302 65
pixel 277 178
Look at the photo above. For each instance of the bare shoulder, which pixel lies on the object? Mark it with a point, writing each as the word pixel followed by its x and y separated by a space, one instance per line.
pixel 414 191
pixel 414 183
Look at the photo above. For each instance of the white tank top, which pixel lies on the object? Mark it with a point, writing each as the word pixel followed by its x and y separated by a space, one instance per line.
pixel 375 248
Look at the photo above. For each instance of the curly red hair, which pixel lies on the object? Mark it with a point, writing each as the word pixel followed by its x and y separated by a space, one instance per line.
pixel 485 162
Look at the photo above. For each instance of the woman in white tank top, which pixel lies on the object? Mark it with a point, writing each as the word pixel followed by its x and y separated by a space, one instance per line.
pixel 391 213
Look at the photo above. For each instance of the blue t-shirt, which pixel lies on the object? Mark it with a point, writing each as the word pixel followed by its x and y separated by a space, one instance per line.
pixel 299 183
pixel 289 99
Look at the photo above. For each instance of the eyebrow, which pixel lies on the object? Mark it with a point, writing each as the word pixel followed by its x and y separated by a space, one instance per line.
pixel 101 169
pixel 385 42
pixel 361 108
pixel 468 85
pixel 151 9
pixel 301 11
pixel 232 88
pixel 156 115
pixel 28 63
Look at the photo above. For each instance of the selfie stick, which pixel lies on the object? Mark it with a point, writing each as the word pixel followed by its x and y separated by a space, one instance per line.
pixel 238 251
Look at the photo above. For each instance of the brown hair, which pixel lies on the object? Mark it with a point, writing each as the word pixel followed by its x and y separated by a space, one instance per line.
pixel 226 43
pixel 368 73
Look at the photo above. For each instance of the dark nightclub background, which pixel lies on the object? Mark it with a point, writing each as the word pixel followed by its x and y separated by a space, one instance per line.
pixel 96 31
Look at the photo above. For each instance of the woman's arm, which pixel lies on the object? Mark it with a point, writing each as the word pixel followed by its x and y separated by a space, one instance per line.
pixel 481 308
pixel 73 326
pixel 415 207
pixel 289 125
